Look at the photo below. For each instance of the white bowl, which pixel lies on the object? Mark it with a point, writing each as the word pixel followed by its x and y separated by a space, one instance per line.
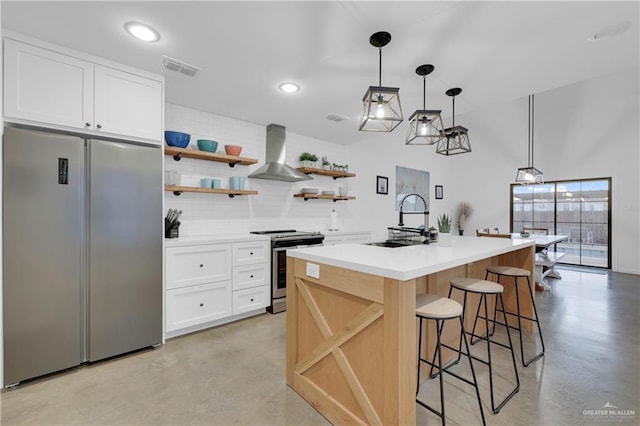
pixel 328 192
pixel 309 191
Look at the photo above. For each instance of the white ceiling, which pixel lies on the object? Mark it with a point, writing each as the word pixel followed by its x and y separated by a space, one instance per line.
pixel 494 51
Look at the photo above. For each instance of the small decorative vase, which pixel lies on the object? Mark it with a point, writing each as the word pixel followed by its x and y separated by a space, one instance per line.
pixel 461 232
pixel 444 239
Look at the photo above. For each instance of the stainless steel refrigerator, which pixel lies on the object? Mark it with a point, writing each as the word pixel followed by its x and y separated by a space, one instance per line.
pixel 82 250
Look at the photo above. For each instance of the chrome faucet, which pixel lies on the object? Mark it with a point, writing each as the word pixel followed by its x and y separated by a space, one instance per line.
pixel 425 213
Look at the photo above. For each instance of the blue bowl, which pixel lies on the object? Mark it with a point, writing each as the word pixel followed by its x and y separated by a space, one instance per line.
pixel 177 139
pixel 207 145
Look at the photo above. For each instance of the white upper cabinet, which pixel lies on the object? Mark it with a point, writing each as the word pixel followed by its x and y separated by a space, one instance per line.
pixel 127 104
pixel 47 88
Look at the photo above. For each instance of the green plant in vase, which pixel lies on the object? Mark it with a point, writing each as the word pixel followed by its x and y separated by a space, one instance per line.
pixel 326 164
pixel 444 223
pixel 308 160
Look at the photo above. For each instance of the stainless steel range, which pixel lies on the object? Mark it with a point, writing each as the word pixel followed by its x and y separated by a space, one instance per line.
pixel 281 240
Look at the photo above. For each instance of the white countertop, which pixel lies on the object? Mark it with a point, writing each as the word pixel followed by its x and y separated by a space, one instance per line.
pixel 340 233
pixel 406 263
pixel 214 239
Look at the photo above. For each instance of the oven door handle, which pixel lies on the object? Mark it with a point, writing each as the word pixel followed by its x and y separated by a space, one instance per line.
pixel 275 249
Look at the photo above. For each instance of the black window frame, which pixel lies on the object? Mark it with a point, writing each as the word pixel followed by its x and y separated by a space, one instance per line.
pixel 555 210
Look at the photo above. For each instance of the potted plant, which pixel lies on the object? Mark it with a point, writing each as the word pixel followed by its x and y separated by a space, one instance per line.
pixel 464 212
pixel 326 164
pixel 444 228
pixel 308 160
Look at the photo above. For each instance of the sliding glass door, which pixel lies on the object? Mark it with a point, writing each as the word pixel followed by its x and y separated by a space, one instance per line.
pixel 580 209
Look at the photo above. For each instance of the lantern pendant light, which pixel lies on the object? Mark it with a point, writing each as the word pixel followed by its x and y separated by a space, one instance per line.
pixel 381 109
pixel 425 126
pixel 530 174
pixel 456 140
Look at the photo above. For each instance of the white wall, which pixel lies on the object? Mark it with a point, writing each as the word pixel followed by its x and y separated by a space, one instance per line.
pixel 274 207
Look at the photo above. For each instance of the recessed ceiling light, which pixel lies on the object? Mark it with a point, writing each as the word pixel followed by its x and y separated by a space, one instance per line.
pixel 142 31
pixel 611 31
pixel 288 87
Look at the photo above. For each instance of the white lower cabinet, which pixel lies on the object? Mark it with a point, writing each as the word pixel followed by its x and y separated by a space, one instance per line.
pixel 250 299
pixel 198 264
pixel 250 276
pixel 193 305
pixel 212 284
pixel 250 253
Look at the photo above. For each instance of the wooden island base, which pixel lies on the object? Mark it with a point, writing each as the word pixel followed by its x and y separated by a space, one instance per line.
pixel 352 336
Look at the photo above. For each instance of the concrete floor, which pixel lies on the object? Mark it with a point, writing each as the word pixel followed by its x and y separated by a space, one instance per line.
pixel 234 374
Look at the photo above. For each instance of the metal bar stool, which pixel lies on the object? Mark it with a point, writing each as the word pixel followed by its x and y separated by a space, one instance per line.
pixel 440 309
pixel 485 288
pixel 509 271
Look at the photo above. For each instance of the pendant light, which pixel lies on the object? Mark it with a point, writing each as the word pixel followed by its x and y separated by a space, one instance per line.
pixel 456 140
pixel 425 126
pixel 381 110
pixel 529 174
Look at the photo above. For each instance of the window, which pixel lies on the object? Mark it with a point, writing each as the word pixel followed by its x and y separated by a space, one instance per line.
pixel 580 209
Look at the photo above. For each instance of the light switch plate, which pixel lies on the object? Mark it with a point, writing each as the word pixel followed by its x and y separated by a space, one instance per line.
pixel 313 270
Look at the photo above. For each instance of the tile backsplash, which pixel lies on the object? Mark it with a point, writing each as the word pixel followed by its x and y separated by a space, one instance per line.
pixel 274 206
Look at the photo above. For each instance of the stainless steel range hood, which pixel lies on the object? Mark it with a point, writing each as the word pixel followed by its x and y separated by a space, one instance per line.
pixel 275 168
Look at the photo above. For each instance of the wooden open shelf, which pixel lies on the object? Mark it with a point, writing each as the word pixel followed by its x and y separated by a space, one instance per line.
pixel 333 173
pixel 232 160
pixel 323 197
pixel 177 190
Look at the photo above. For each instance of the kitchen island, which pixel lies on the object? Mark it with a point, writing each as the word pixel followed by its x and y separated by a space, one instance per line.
pixel 351 326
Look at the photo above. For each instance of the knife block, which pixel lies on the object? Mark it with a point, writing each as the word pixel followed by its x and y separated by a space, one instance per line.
pixel 171 230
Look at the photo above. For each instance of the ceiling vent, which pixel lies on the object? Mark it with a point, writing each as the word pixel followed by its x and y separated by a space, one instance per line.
pixel 336 117
pixel 179 66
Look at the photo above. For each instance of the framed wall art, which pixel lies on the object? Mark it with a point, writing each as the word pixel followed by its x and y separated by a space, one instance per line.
pixel 411 181
pixel 382 185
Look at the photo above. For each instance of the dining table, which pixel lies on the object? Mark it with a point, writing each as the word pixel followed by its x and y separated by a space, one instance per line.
pixel 545 260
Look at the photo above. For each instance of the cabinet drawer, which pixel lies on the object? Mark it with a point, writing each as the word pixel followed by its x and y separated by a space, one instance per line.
pixel 250 299
pixel 197 304
pixel 248 253
pixel 197 265
pixel 250 276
